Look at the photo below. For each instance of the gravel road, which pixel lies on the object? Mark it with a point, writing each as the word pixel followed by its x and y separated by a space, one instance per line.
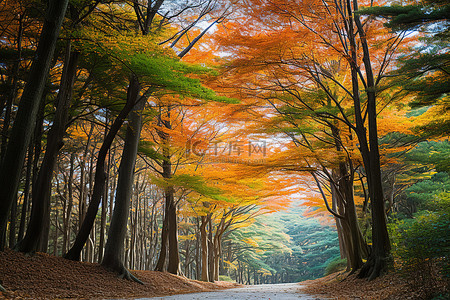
pixel 283 291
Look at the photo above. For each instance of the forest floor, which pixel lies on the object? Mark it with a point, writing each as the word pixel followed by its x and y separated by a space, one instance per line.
pixel 44 276
pixel 340 285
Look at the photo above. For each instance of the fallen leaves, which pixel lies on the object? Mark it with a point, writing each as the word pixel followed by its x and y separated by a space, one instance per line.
pixel 342 286
pixel 43 276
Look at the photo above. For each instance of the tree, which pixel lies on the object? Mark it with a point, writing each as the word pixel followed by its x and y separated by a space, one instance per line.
pixel 112 258
pixel 41 193
pixel 14 157
pixel 423 70
pixel 286 47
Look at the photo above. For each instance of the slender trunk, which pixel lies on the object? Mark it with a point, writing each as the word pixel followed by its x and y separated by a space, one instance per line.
pixel 377 260
pixel 55 237
pixel 82 185
pixel 12 225
pixel 113 256
pixel 342 193
pixel 187 257
pixel 217 255
pixel 11 166
pixel 164 239
pixel 68 218
pixel 204 238
pixel 40 213
pixel 210 251
pixel 104 211
pixel 197 254
pixel 100 175
pixel 342 246
pixel 174 254
pixel 26 195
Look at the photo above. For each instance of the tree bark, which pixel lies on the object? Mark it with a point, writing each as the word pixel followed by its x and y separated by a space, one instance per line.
pixel 210 251
pixel 204 238
pixel 174 255
pixel 104 210
pixel 379 255
pixel 26 194
pixel 40 213
pixel 100 175
pixel 113 256
pixel 11 166
pixel 164 240
pixel 68 212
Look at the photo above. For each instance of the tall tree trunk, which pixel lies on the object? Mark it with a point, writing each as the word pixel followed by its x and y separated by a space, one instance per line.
pixel 100 175
pixel 113 256
pixel 204 238
pixel 68 218
pixel 55 237
pixel 377 261
pixel 197 254
pixel 11 166
pixel 174 254
pixel 164 239
pixel 342 193
pixel 210 251
pixel 26 195
pixel 40 213
pixel 12 225
pixel 217 254
pixel 104 209
pixel 170 224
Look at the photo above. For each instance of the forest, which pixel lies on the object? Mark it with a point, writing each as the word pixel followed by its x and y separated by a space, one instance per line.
pixel 255 141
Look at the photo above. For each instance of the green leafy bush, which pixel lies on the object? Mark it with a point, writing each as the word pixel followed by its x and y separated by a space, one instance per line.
pixel 424 246
pixel 336 265
pixel 225 278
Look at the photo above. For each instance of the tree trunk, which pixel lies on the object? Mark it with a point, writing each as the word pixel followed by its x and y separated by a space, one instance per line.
pixel 40 213
pixel 11 166
pixel 377 260
pixel 113 256
pixel 69 206
pixel 26 195
pixel 210 251
pixel 174 255
pixel 164 240
pixel 204 238
pixel 104 209
pixel 198 257
pixel 100 175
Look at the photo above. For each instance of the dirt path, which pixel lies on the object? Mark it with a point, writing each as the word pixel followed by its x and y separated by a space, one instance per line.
pixel 284 291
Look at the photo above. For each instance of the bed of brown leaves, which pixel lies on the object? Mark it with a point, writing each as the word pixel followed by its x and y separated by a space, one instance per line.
pixel 342 286
pixel 43 276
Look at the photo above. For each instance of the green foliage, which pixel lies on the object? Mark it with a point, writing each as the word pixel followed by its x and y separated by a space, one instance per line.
pixel 171 74
pixel 424 71
pixel 225 278
pixel 336 265
pixel 410 16
pixel 424 245
pixel 433 153
pixel 288 244
pixel 199 185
